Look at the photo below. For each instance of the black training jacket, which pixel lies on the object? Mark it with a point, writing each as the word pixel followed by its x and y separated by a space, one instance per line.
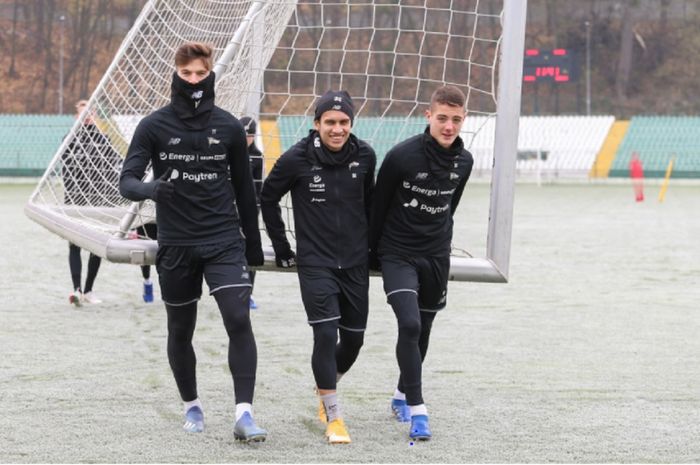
pixel 211 172
pixel 331 204
pixel 414 203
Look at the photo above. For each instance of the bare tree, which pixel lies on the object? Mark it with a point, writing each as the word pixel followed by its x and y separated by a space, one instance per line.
pixel 624 64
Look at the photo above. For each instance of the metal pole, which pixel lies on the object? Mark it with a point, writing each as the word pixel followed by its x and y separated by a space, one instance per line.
pixel 60 66
pixel 588 68
pixel 510 81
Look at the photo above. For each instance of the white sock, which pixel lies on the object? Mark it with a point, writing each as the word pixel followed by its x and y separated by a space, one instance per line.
pixel 330 402
pixel 420 409
pixel 147 281
pixel 193 403
pixel 398 395
pixel 242 408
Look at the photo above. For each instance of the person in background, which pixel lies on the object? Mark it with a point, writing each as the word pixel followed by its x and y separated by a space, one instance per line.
pixel 148 230
pixel 87 164
pixel 256 168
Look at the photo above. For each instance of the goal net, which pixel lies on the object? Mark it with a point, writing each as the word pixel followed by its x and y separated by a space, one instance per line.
pixel 273 60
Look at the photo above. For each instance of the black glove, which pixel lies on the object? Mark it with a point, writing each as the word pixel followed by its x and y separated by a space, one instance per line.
pixel 373 261
pixel 254 254
pixel 163 190
pixel 286 259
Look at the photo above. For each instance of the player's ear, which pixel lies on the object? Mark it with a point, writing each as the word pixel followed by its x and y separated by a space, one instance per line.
pixel 317 124
pixel 427 113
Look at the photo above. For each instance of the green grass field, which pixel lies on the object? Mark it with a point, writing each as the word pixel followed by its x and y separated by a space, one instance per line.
pixel 589 354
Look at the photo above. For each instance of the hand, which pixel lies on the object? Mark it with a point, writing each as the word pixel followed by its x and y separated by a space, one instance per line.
pixel 286 260
pixel 163 190
pixel 254 255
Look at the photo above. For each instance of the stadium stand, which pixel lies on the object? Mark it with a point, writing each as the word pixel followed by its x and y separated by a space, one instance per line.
pixel 658 139
pixel 568 146
pixel 29 142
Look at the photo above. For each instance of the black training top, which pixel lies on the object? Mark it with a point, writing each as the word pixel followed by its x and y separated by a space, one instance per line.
pixel 419 186
pixel 210 171
pixel 331 197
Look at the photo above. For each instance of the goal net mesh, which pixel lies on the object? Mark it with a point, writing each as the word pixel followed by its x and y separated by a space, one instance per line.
pixel 273 60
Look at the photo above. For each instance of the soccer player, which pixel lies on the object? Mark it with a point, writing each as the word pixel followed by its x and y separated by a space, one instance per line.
pixel 89 163
pixel 330 174
pixel 418 188
pixel 200 164
pixel 149 230
pixel 256 167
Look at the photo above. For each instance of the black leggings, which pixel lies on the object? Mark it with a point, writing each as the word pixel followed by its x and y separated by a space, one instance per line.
pixel 242 351
pixel 76 268
pixel 332 355
pixel 412 344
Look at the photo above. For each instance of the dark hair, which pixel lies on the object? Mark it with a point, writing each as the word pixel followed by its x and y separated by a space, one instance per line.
pixel 448 95
pixel 191 51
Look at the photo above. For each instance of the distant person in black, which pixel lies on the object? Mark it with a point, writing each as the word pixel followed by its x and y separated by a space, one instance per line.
pixel 200 164
pixel 89 170
pixel 256 168
pixel 419 186
pixel 330 174
pixel 147 231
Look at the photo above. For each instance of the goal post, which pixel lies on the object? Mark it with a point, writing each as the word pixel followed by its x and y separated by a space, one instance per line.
pixel 273 59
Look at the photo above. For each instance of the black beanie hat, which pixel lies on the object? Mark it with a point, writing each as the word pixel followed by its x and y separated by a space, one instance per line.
pixel 335 100
pixel 249 125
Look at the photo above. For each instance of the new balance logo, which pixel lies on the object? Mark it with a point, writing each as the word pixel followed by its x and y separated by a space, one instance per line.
pixel 453 176
pixel 174 141
pixel 413 203
pixel 421 176
pixel 213 140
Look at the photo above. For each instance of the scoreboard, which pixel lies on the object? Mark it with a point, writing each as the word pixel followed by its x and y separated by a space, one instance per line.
pixel 555 65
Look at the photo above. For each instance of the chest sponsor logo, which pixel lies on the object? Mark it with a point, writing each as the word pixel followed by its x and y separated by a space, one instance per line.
pixel 425 191
pixel 317 185
pixel 199 177
pixel 433 210
pixel 317 200
pixel 186 157
pixel 217 157
pixel 413 203
pixel 174 141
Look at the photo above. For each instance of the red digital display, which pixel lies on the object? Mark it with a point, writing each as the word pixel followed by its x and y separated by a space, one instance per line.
pixel 556 65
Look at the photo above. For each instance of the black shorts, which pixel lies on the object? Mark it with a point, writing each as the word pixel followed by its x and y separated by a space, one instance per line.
pixel 181 268
pixel 424 276
pixel 330 294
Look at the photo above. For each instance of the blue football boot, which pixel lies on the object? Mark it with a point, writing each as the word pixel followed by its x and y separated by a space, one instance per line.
pixel 401 411
pixel 194 420
pixel 420 429
pixel 148 292
pixel 246 430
